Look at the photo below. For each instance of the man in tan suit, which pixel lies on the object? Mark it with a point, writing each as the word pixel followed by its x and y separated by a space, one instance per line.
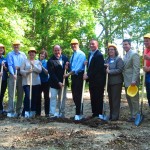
pixel 131 74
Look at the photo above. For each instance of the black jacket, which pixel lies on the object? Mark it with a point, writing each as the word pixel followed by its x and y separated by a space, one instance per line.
pixel 56 71
pixel 96 70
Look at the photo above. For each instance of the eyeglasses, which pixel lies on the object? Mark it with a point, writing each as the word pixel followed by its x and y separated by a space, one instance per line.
pixel 111 49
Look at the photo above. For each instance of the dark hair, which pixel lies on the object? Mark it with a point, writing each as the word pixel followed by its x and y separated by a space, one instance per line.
pixel 127 40
pixel 116 51
pixel 43 51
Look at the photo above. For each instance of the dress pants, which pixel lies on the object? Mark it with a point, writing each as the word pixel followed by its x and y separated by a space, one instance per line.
pixel 35 94
pixel 96 95
pixel 19 88
pixel 3 89
pixel 133 103
pixel 44 87
pixel 147 81
pixel 76 88
pixel 114 94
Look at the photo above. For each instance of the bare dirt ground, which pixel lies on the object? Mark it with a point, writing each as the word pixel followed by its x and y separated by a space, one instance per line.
pixel 64 134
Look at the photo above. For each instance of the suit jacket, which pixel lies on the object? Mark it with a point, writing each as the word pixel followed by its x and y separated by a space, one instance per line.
pixel 56 71
pixel 115 74
pixel 131 70
pixel 96 70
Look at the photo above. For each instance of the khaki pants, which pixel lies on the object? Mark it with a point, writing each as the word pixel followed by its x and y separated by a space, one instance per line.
pixel 55 100
pixel 19 89
pixel 133 103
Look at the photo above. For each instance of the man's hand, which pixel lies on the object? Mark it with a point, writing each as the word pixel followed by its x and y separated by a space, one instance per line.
pixel 85 77
pixel 60 85
pixel 17 68
pixel 67 65
pixel 15 77
pixel 146 69
pixel 1 74
pixel 146 57
pixel 133 83
pixel 86 62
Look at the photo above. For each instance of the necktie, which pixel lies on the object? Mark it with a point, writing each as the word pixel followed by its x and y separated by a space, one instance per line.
pixel 91 55
pixel 72 59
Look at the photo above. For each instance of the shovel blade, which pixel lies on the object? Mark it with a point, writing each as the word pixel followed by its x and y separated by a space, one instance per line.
pixel 138 120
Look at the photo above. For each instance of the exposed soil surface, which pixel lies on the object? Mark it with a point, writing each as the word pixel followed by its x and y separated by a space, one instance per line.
pixel 43 133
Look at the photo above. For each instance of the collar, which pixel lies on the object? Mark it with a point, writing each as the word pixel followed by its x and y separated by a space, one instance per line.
pixel 92 52
pixel 16 53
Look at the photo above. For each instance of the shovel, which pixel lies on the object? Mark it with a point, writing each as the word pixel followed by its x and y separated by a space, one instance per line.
pixel 83 87
pixel 30 98
pixel 62 93
pixel 103 116
pixel 1 77
pixel 139 117
pixel 15 81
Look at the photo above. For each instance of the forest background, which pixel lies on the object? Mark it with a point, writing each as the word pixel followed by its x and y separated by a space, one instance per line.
pixel 44 23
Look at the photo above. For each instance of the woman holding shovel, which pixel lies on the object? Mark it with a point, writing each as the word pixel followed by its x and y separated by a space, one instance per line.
pixel 30 71
pixel 3 76
pixel 115 80
pixel 44 87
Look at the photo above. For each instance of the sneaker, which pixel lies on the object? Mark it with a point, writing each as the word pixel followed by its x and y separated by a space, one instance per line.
pixel 27 114
pixel 16 115
pixel 32 114
pixel 56 115
pixel 10 115
pixel 78 117
pixel 101 116
pixel 52 116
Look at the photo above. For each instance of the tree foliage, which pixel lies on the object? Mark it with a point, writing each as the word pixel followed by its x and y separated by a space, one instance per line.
pixel 44 23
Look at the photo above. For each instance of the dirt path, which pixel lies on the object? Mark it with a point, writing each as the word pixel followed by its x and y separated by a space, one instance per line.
pixel 45 134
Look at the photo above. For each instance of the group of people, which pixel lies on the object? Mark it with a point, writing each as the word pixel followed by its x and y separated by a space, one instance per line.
pixel 35 77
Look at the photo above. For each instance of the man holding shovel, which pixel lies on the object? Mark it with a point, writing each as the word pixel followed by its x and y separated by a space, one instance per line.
pixel 131 74
pixel 96 77
pixel 76 71
pixel 147 67
pixel 15 59
pixel 56 69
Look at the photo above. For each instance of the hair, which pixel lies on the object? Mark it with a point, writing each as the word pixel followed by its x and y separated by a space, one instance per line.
pixel 116 51
pixel 58 46
pixel 43 51
pixel 127 40
pixel 95 41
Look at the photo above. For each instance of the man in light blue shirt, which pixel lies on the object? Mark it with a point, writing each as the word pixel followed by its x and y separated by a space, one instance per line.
pixel 77 69
pixel 15 59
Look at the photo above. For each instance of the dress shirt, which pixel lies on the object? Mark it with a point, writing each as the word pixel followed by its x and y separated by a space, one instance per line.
pixel 43 76
pixel 78 60
pixel 15 59
pixel 91 55
pixel 5 75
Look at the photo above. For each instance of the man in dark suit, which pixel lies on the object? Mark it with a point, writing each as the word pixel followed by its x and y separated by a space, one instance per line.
pixel 96 77
pixel 56 68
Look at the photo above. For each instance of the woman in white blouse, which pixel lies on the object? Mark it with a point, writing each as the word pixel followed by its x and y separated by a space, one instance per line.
pixel 30 71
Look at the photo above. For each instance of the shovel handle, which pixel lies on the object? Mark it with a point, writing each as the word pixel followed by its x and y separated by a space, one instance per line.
pixel 15 81
pixel 83 87
pixel 30 87
pixel 62 92
pixel 143 82
pixel 1 76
